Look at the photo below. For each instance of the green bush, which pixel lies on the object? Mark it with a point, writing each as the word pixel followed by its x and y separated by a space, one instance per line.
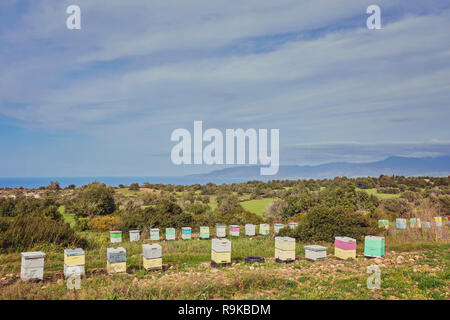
pixel 24 233
pixel 323 224
pixel 93 200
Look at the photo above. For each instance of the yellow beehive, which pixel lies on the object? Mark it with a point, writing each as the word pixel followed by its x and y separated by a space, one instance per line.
pixel 344 254
pixel 117 267
pixel 284 255
pixel 283 244
pixel 71 261
pixel 221 257
pixel 151 264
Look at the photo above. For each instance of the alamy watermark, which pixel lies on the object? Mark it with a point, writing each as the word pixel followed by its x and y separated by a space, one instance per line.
pixel 74 281
pixel 232 153
pixel 374 280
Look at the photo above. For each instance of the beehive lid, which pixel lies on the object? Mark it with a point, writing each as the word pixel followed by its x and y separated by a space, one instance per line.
pixel 33 255
pixel 74 252
pixel 292 223
pixel 285 239
pixel 170 229
pixel 376 238
pixel 315 247
pixel 186 228
pixel 278 224
pixel 400 220
pixel 115 250
pixel 345 239
pixel 220 225
pixel 154 246
pixel 234 226
pixel 134 231
pixel 248 225
pixel 154 229
pixel 115 232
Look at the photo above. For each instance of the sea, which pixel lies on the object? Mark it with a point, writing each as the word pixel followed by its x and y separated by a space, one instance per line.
pixel 33 183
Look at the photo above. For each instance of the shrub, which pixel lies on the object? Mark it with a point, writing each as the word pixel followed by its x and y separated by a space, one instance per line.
pixel 399 206
pixel 105 223
pixel 134 187
pixel 323 224
pixel 25 233
pixel 93 200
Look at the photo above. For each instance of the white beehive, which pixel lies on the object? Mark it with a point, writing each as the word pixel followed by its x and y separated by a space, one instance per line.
pixel 292 225
pixel 221 231
pixel 315 252
pixel 32 265
pixel 170 233
pixel 264 229
pixel 250 230
pixel 115 236
pixel 152 256
pixel 116 260
pixel 277 227
pixel 154 234
pixel 74 261
pixel 134 235
pixel 220 251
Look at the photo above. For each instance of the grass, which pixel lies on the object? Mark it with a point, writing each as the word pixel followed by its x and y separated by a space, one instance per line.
pixel 380 195
pixel 68 217
pixel 421 273
pixel 257 206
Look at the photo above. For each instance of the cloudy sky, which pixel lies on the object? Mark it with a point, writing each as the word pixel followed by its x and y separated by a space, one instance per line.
pixel 104 100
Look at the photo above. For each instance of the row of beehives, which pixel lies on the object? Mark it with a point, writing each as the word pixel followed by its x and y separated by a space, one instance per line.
pixel 413 223
pixel 74 259
pixel 186 232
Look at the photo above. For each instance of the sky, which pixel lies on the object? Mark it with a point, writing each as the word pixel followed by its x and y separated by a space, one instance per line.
pixel 104 100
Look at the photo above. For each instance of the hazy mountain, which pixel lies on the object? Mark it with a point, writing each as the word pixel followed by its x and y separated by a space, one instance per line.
pixel 438 166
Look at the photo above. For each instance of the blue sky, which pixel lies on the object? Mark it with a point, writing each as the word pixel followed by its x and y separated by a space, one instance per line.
pixel 103 100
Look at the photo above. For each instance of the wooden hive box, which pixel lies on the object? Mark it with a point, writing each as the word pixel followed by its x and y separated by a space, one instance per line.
pixel 415 223
pixel 264 229
pixel 115 236
pixel 315 252
pixel 32 266
pixel 426 225
pixel 374 246
pixel 400 223
pixel 438 221
pixel 284 249
pixel 277 227
pixel 221 231
pixel 345 248
pixel 250 230
pixel 234 230
pixel 383 224
pixel 154 234
pixel 170 233
pixel 204 233
pixel 134 235
pixel 74 257
pixel 152 256
pixel 221 251
pixel 186 233
pixel 293 225
pixel 116 260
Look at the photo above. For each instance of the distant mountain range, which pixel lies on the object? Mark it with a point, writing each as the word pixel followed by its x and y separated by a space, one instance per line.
pixel 402 166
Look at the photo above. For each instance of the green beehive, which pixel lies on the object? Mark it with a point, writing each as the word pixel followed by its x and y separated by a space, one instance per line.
pixel 374 246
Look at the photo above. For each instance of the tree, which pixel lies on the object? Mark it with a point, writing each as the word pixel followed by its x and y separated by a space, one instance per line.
pixel 93 200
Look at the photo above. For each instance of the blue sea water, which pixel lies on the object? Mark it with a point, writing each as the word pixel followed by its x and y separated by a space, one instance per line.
pixel 32 183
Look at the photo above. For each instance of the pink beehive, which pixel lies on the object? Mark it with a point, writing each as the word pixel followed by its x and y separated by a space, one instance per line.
pixel 345 243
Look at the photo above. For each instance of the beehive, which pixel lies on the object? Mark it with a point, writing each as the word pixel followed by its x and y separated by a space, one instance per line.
pixel 116 260
pixel 204 233
pixel 186 233
pixel 154 234
pixel 250 230
pixel 264 229
pixel 234 230
pixel 293 225
pixel 400 223
pixel 284 249
pixel 74 261
pixel 383 224
pixel 345 248
pixel 134 235
pixel 32 266
pixel 438 221
pixel 374 246
pixel 415 223
pixel 152 256
pixel 315 252
pixel 220 251
pixel 221 231
pixel 170 233
pixel 115 236
pixel 426 224
pixel 277 227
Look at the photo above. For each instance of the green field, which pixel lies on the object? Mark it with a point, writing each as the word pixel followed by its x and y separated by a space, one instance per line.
pixel 380 195
pixel 69 218
pixel 257 206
